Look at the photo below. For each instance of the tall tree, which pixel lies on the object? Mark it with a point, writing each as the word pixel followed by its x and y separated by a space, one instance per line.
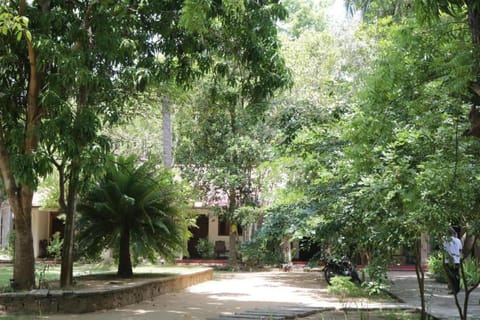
pixel 93 73
pixel 405 129
pixel 220 149
pixel 77 69
pixel 308 120
pixel 219 152
pixel 21 113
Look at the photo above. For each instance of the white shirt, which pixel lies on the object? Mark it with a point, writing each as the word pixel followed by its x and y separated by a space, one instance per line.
pixel 453 248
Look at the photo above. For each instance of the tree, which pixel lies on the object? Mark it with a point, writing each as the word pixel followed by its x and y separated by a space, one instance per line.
pixel 405 129
pixel 101 74
pixel 219 149
pixel 134 210
pixel 303 16
pixel 219 153
pixel 21 112
pixel 78 68
pixel 304 180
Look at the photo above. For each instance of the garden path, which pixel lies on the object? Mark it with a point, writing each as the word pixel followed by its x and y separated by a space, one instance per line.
pixel 230 293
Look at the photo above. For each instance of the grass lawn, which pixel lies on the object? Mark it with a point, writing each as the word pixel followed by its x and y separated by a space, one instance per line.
pixel 51 271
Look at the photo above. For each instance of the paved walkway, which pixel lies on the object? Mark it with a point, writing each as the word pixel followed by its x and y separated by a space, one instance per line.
pixel 236 295
pixel 439 303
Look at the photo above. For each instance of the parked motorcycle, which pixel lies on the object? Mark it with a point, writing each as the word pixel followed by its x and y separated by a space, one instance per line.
pixel 340 267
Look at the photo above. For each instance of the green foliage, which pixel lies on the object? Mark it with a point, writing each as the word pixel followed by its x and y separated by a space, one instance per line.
pixel 436 268
pixel 55 246
pixel 305 16
pixel 49 191
pixel 221 138
pixel 195 15
pixel 471 272
pixel 220 148
pixel 374 288
pixel 13 24
pixel 141 198
pixel 245 216
pixel 292 221
pixel 260 252
pixel 41 272
pixel 430 11
pixel 401 159
pixel 88 71
pixel 376 273
pixel 205 249
pixel 343 287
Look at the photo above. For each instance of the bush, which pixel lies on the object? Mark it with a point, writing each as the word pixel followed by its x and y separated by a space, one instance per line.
pixel 436 269
pixel 343 287
pixel 472 273
pixel 258 253
pixel 205 249
pixel 250 254
pixel 55 246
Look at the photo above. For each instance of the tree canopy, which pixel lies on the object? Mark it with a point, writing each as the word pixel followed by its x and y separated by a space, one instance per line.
pixel 66 73
pixel 348 133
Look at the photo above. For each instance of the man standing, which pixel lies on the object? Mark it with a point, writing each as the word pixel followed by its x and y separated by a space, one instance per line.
pixel 453 246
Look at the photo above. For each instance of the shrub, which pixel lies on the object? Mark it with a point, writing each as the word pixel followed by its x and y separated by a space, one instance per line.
pixel 343 287
pixel 250 253
pixel 435 267
pixel 55 246
pixel 259 253
pixel 472 274
pixel 205 249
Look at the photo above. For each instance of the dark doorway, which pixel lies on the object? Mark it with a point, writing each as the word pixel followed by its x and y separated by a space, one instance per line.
pixel 56 224
pixel 308 249
pixel 200 231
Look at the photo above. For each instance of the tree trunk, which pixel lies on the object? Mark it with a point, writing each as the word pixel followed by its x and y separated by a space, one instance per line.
pixel 420 278
pixel 68 200
pixel 124 260
pixel 287 250
pixel 24 261
pixel 20 195
pixel 232 245
pixel 167 132
pixel 20 199
pixel 233 239
pixel 66 271
pixel 474 20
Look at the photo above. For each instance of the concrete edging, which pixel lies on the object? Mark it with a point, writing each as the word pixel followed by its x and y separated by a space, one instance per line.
pixel 46 301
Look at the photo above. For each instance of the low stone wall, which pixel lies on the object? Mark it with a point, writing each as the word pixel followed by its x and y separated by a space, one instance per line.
pixel 80 301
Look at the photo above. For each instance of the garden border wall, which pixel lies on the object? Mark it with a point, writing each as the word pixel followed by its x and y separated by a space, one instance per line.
pixel 44 301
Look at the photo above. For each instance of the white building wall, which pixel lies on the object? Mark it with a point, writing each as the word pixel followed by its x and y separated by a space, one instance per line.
pixel 40 228
pixel 213 230
pixel 6 224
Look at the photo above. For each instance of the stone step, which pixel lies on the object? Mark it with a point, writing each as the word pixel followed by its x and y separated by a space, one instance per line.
pixel 273 314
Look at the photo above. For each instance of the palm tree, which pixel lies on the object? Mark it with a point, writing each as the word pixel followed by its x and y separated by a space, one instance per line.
pixel 132 207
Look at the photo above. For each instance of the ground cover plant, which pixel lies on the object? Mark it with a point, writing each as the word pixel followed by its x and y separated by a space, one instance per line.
pixel 367 315
pixel 97 274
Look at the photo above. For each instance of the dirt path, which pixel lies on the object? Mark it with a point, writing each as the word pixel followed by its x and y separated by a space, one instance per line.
pixel 228 293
